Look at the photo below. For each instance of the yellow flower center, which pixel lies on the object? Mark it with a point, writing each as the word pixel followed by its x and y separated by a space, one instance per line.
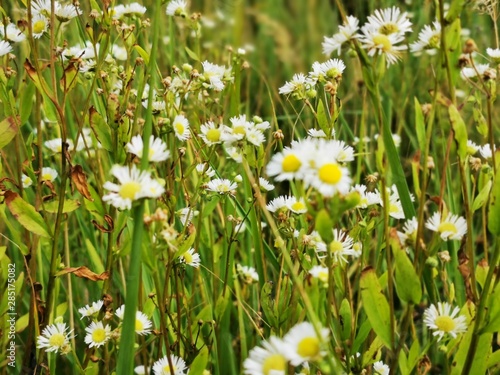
pixel 298 206
pixel 129 190
pixel 213 135
pixel 239 130
pixel 447 227
pixel 38 26
pixel 166 369
pixel 333 73
pixel 308 347
pixel 323 276
pixel 393 208
pixel 445 323
pixel 188 258
pixel 99 335
pixel 179 128
pixel 330 173
pixel 435 41
pixel 139 326
pixel 57 340
pixel 388 29
pixel 291 163
pixel 384 41
pixel 46 177
pixel 336 246
pixel 275 362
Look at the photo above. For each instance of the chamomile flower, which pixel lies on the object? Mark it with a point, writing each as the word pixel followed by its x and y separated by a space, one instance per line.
pixel 48 174
pixel 346 33
pixel 381 44
pixel 248 274
pixel 267 359
pixel 214 75
pixel 297 206
pixel 429 40
pixel 453 227
pixel 157 148
pixel 67 12
pixel 221 186
pixel 443 321
pixel 409 234
pixel 255 137
pixel 177 8
pixel 90 310
pixel 379 368
pixel 134 9
pixel 162 366
pixel 143 325
pixel 39 25
pixel 328 176
pixel 341 246
pixel 42 7
pixel 320 273
pixel 298 86
pixel 277 203
pixel 212 134
pixel 265 185
pixel 97 335
pixel 389 21
pixel 191 258
pixel 26 181
pixel 331 69
pixel 12 33
pixel 285 165
pixel 302 343
pixel 181 128
pixel 54 338
pixel 55 145
pixel 5 48
pixel 134 184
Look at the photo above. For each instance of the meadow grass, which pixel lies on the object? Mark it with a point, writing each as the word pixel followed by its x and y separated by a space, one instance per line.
pixel 344 221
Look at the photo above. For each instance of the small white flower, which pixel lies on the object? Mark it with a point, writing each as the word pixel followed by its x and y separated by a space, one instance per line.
pixel 297 206
pixel 221 186
pixel 90 310
pixel 48 174
pixel 205 169
pixel 443 321
pixel 162 366
pixel 186 215
pixel 479 70
pixel 494 54
pixel 5 47
pixel 134 9
pixel 157 148
pixel 97 335
pixel 298 85
pixel 26 181
pixel 472 147
pixel 331 69
pixel 39 25
pixel 320 273
pixel 212 134
pixel 119 53
pixel 276 204
pixel 54 338
pixel 429 40
pixel 143 325
pixel 181 128
pixel 177 8
pixel 42 7
pixel 389 21
pixel 341 245
pixel 12 33
pixel 302 343
pixel 265 185
pixel 346 33
pixel 266 359
pixel 485 151
pixel 248 274
pixel 55 145
pixel 409 234
pixel 379 368
pixel 255 137
pixel 378 44
pixel 314 133
pixel 214 74
pixel 453 227
pixel 191 258
pixel 67 12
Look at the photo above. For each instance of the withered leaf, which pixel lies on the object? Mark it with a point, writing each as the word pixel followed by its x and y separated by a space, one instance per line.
pixel 84 273
pixel 80 181
pixel 111 225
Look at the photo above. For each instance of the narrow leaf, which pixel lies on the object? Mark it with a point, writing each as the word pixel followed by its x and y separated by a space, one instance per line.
pixel 494 207
pixel 419 125
pixel 8 130
pixel 408 285
pixel 26 214
pixel 69 206
pixel 459 131
pixel 200 362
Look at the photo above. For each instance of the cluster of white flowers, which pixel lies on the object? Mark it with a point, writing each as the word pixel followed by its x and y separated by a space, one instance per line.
pixel 319 163
pixel 120 11
pixel 300 345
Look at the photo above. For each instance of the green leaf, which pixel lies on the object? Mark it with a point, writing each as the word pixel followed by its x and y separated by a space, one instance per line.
pixel 26 101
pixel 26 214
pixel 322 118
pixel 375 305
pixel 493 359
pixel 493 315
pixel 419 124
pixel 494 207
pixel 192 54
pixel 100 128
pixel 324 225
pixel 143 53
pixel 408 285
pixel 200 362
pixel 459 131
pixel 22 323
pixel 220 306
pixel 482 197
pixel 8 130
pixel 346 320
pixel 69 206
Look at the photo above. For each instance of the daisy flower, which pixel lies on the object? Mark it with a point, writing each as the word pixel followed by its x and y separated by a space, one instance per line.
pixel 297 206
pixel 54 338
pixel 134 184
pixel 187 214
pixel 12 33
pixel 162 366
pixel 157 148
pixel 177 8
pixel 255 137
pixel 42 7
pixel 479 70
pixel 315 133
pixel 277 203
pixel 134 9
pixel 341 246
pixel 55 145
pixel 285 165
pixel 191 258
pixel 265 185
pixel 26 181
pixel 97 335
pixel 266 359
pixel 453 227
pixel 221 186
pixel 389 21
pixel 39 25
pixel 429 40
pixel 472 147
pixel 205 169
pixel 379 368
pixel 248 274
pixel 67 12
pixel 494 54
pixel 485 151
pixel 328 176
pixel 377 44
pixel 331 69
pixel 213 74
pixel 443 321
pixel 181 128
pixel 320 273
pixel 212 134
pixel 143 325
pixel 302 343
pixel 346 33
pixel 297 86
pixel 5 48
pixel 90 310
pixel 48 174
pixel 409 234
pixel 367 198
